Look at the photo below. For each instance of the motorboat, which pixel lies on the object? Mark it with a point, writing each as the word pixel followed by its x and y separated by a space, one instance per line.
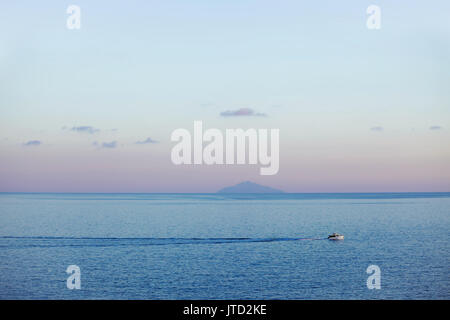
pixel 336 236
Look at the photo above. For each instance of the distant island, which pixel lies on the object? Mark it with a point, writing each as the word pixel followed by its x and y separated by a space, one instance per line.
pixel 249 187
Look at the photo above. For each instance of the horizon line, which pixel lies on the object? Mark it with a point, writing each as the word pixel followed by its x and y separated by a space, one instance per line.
pixel 261 193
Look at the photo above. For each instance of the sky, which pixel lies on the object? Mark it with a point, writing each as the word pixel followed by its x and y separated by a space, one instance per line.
pixel 92 110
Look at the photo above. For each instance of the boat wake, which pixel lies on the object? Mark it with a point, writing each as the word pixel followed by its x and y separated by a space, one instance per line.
pixel 28 242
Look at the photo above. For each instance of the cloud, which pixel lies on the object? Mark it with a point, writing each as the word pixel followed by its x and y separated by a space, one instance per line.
pixel 146 141
pixel 378 129
pixel 86 129
pixel 435 128
pixel 107 145
pixel 242 112
pixel 32 143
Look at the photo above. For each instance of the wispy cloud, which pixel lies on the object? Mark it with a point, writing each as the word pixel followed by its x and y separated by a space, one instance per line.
pixel 246 112
pixel 84 129
pixel 107 145
pixel 377 129
pixel 32 143
pixel 146 141
pixel 435 128
pixel 110 145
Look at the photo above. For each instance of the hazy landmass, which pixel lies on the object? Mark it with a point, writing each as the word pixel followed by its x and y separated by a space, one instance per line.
pixel 249 187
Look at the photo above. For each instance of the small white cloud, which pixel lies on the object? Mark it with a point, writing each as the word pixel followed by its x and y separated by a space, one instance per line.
pixel 109 145
pixel 147 141
pixel 243 112
pixel 85 129
pixel 32 143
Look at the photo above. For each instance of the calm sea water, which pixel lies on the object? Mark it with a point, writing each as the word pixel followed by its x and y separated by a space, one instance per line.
pixel 211 246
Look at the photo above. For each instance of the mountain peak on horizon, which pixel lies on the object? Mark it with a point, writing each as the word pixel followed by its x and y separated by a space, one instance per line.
pixel 249 187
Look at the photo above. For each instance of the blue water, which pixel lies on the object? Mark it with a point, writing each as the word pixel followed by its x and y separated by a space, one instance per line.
pixel 213 246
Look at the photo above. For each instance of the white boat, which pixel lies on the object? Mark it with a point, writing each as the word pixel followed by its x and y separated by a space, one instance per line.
pixel 336 236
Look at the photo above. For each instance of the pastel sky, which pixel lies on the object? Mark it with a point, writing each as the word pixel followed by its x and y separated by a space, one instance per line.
pixel 92 110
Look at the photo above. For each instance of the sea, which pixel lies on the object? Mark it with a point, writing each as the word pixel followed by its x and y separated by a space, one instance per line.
pixel 225 246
